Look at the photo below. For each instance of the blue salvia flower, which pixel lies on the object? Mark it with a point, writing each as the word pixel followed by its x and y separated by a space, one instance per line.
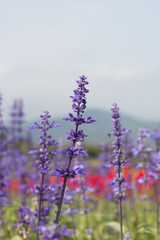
pixel 78 106
pixel 155 155
pixel 4 173
pixel 52 233
pixel 118 161
pixel 128 145
pixel 128 151
pixel 21 159
pixel 141 151
pixel 60 156
pixel 43 164
pixel 70 173
pixel 55 190
pixel 24 214
pixel 17 115
pixel 141 148
pixel 15 138
pixel 105 157
pixel 155 167
pixel 20 169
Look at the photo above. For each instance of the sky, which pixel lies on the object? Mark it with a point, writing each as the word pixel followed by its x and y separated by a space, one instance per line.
pixel 46 45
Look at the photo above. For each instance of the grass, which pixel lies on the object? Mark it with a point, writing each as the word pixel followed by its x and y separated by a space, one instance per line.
pixel 102 219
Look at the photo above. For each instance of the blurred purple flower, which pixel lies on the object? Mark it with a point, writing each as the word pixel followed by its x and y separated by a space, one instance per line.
pixel 64 172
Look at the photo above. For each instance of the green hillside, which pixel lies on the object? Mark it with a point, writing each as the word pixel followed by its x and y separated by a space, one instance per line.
pixel 97 131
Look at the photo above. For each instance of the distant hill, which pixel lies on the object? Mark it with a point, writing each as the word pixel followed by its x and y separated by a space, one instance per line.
pixel 97 131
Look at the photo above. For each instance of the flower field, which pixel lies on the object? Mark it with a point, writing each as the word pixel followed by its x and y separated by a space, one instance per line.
pixel 53 191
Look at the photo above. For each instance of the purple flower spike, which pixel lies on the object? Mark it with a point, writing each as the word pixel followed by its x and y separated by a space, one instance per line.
pixel 76 137
pixel 118 161
pixel 78 106
pixel 64 172
pixel 4 169
pixel 17 115
pixel 43 161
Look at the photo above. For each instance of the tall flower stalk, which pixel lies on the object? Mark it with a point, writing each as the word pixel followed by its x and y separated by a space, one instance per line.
pixel 4 173
pixel 142 151
pixel 118 162
pixel 78 106
pixel 43 161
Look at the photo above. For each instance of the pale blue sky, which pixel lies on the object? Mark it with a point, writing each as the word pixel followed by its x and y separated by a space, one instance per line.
pixel 46 45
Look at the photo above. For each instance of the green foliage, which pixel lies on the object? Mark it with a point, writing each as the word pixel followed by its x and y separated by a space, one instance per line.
pixel 145 231
pixel 102 219
pixel 93 150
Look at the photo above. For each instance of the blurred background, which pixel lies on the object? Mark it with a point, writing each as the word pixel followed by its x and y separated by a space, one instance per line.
pixel 46 45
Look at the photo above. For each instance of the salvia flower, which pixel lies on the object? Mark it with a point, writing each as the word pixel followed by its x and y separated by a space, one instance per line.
pixel 142 151
pixel 17 115
pixel 65 172
pixel 4 170
pixel 43 161
pixel 78 106
pixel 118 161
pixel 52 233
pixel 141 148
pixel 24 214
pixel 155 136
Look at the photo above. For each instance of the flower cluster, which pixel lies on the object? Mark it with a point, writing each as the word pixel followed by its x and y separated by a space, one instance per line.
pixel 141 148
pixel 24 214
pixel 118 161
pixel 17 115
pixel 45 141
pixel 105 156
pixel 65 172
pixel 155 166
pixel 50 233
pixel 43 160
pixel 78 106
pixel 4 172
pixel 155 136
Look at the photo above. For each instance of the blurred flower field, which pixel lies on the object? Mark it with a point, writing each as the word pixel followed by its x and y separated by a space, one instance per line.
pixel 53 191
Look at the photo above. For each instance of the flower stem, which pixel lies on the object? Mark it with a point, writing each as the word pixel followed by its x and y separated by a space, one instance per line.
pixel 40 204
pixel 65 181
pixel 61 200
pixel 120 218
pixel 120 207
